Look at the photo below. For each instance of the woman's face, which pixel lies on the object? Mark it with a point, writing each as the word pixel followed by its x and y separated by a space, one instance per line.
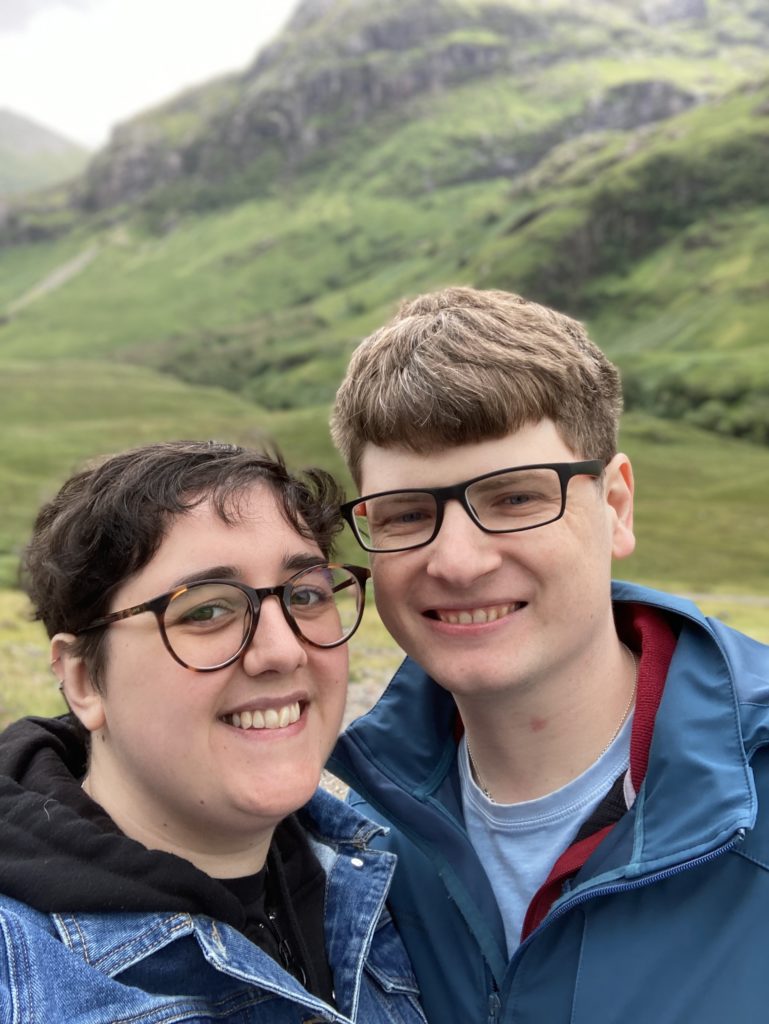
pixel 168 762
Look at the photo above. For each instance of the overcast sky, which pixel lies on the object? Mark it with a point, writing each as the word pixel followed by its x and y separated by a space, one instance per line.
pixel 80 66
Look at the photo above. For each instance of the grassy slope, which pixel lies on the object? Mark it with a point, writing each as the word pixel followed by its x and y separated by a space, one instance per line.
pixel 268 297
pixel 702 514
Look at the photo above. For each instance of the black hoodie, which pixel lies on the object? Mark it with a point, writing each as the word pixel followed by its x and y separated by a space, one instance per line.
pixel 61 852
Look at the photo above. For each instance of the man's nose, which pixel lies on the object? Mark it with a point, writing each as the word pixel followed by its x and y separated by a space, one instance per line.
pixel 462 552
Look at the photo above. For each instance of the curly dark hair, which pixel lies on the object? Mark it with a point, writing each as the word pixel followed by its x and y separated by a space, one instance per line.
pixel 107 522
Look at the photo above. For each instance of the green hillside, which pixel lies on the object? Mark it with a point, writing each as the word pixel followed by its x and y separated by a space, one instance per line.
pixel 32 157
pixel 212 270
pixel 608 158
pixel 702 515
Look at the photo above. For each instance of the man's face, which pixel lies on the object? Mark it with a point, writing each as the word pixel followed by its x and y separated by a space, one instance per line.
pixel 538 601
pixel 168 760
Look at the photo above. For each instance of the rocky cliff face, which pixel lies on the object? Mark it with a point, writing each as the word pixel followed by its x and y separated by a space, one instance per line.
pixel 663 12
pixel 335 67
pixel 342 64
pixel 338 66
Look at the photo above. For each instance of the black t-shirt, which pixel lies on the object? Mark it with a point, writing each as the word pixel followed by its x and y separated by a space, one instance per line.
pixel 284 905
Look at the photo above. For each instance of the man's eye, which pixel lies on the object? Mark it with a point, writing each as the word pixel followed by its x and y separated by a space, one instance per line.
pixel 519 498
pixel 385 518
pixel 415 515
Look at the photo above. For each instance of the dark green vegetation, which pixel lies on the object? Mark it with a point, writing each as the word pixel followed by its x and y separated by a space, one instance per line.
pixel 32 157
pixel 211 271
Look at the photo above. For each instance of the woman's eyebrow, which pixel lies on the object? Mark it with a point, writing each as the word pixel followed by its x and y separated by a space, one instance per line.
pixel 213 572
pixel 295 562
pixel 303 560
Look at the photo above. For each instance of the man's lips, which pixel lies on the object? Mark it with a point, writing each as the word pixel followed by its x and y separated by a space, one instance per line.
pixel 477 615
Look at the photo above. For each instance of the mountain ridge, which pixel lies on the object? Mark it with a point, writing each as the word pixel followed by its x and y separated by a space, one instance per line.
pixel 605 158
pixel 338 65
pixel 33 156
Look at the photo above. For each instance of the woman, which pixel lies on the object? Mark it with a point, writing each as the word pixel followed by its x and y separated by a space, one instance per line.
pixel 166 854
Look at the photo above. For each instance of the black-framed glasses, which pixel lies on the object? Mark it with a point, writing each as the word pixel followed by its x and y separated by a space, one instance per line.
pixel 208 624
pixel 505 501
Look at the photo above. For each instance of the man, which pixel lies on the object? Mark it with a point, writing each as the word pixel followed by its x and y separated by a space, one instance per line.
pixel 166 854
pixel 574 771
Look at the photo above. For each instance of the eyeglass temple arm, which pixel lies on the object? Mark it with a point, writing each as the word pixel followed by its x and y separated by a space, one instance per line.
pixel 126 613
pixel 345 584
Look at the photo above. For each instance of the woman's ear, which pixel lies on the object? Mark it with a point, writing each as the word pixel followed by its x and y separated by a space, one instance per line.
pixel 619 496
pixel 75 683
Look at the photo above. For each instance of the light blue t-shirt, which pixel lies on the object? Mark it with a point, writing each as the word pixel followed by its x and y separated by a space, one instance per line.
pixel 518 844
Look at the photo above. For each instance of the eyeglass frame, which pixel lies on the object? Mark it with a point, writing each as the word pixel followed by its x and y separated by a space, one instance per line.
pixel 458 492
pixel 255 596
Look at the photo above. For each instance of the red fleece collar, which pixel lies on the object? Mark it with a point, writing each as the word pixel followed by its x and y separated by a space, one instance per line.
pixel 646 630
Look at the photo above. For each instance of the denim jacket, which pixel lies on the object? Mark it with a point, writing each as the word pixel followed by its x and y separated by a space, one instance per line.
pixel 104 968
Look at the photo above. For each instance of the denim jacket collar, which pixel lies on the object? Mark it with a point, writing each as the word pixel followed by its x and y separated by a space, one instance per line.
pixel 357 883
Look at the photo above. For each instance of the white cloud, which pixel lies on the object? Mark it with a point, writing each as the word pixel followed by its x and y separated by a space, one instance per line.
pixel 80 66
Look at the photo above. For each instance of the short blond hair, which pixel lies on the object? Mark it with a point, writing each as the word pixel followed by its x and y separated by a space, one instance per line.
pixel 461 365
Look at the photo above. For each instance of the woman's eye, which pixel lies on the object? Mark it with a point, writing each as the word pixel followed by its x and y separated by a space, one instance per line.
pixel 308 597
pixel 205 613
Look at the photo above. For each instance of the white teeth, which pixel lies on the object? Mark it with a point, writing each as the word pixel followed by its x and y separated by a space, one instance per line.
pixel 272 718
pixel 477 615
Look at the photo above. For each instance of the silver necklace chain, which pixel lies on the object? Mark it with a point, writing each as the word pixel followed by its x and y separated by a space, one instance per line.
pixel 474 767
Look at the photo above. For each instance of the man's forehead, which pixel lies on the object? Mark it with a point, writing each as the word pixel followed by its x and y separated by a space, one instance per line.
pixel 389 468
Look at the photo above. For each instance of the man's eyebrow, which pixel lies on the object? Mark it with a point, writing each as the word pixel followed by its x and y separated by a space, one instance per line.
pixel 291 563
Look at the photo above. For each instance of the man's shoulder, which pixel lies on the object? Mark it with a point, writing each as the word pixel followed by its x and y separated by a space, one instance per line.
pixel 626 592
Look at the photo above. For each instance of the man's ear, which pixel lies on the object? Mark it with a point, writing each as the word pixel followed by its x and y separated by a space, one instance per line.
pixel 619 488
pixel 75 682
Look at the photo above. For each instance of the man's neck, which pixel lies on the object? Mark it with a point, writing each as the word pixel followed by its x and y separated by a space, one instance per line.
pixel 530 742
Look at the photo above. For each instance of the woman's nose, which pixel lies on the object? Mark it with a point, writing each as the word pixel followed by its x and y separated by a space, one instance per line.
pixel 274 647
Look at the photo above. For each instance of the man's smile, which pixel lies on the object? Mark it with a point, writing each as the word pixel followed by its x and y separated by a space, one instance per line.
pixel 474 616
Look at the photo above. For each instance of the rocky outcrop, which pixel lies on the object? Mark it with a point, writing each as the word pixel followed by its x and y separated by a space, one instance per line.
pixel 633 104
pixel 662 12
pixel 621 108
pixel 342 64
pixel 337 66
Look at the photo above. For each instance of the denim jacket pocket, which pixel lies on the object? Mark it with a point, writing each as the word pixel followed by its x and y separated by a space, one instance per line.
pixel 391 986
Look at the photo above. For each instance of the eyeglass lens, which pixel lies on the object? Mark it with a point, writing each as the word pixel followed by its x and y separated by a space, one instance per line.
pixel 207 624
pixel 517 500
